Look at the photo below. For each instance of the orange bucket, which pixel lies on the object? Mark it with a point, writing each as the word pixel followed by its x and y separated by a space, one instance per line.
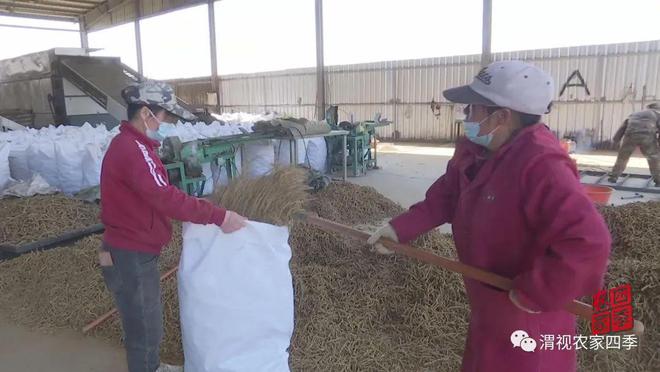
pixel 598 194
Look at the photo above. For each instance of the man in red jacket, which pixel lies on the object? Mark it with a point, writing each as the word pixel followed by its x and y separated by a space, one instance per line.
pixel 137 204
pixel 517 209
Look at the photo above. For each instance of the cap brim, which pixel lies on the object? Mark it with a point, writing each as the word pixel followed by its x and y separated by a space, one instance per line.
pixel 466 95
pixel 180 112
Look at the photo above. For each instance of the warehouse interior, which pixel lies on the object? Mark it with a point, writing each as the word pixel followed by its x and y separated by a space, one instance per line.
pixel 330 146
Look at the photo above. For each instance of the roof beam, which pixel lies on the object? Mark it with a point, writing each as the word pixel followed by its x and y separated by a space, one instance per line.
pixel 37 28
pixel 13 10
pixel 41 7
pixel 49 16
pixel 95 15
pixel 67 3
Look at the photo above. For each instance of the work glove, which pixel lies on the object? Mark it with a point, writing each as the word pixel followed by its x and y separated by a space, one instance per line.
pixel 232 222
pixel 387 231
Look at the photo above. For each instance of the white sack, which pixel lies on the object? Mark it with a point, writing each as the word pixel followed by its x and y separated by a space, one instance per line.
pixel 69 155
pixel 259 158
pixel 283 151
pixel 42 160
pixel 5 173
pixel 91 165
pixel 209 183
pixel 18 161
pixel 317 153
pixel 236 298
pixel 36 185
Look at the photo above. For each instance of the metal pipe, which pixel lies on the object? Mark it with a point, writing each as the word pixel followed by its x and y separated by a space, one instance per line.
pixel 53 15
pixel 100 320
pixel 38 28
pixel 215 80
pixel 50 242
pixel 320 68
pixel 138 36
pixel 6 11
pixel 575 307
pixel 344 153
pixel 44 7
pixel 84 41
pixel 486 33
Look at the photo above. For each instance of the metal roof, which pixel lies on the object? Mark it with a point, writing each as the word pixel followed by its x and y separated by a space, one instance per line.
pixel 94 14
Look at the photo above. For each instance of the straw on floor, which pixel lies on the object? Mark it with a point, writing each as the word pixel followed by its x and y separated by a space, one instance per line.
pixel 354 309
pixel 26 220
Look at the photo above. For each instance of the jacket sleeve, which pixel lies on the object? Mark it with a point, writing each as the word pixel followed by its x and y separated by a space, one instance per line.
pixel 576 238
pixel 168 199
pixel 436 209
pixel 620 132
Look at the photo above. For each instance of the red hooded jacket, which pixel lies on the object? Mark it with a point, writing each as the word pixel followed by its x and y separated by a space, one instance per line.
pixel 137 201
pixel 523 214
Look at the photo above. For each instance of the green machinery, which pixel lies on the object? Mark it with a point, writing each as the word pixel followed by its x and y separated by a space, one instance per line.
pixel 361 144
pixel 184 160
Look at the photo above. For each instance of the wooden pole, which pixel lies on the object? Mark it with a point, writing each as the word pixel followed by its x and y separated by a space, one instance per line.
pixel 575 307
pixel 100 320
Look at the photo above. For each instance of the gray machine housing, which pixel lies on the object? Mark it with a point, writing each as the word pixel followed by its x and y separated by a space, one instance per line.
pixel 64 86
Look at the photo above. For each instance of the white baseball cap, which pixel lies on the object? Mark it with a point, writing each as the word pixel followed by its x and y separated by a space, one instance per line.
pixel 512 84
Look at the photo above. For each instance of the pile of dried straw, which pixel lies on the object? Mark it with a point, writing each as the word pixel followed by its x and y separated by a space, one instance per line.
pixel 354 309
pixel 26 220
pixel 635 260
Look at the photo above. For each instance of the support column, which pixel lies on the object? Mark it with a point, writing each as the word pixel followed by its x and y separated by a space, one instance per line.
pixel 215 80
pixel 486 33
pixel 320 68
pixel 84 42
pixel 138 36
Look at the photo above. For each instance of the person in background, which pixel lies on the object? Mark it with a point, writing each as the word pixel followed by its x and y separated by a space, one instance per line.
pixel 137 205
pixel 517 209
pixel 641 130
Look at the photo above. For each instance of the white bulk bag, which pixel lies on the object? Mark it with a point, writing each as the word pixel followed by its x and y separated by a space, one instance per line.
pixel 42 160
pixel 69 158
pixel 208 175
pixel 283 151
pixel 91 165
pixel 259 158
pixel 18 161
pixel 5 173
pixel 236 298
pixel 317 153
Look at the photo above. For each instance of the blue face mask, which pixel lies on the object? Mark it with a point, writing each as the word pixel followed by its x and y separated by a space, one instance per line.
pixel 472 128
pixel 164 130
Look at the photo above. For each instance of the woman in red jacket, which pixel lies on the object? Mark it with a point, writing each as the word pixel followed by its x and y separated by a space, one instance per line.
pixel 517 208
pixel 137 205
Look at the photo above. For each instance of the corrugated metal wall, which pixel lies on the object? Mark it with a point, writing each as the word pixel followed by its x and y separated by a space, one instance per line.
pixel 620 78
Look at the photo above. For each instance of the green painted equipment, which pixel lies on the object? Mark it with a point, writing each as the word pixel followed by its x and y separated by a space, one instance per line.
pixel 361 144
pixel 184 160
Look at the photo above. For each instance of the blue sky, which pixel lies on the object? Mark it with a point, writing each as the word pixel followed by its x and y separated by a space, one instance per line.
pixel 261 35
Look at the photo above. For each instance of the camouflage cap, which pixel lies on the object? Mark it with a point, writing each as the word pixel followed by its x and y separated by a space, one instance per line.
pixel 156 93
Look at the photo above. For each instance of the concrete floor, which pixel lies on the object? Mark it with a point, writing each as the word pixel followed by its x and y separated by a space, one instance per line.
pixel 406 173
pixel 22 350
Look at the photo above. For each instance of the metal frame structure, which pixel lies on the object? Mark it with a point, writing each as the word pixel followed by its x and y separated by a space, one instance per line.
pixel 94 15
pixel 628 182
